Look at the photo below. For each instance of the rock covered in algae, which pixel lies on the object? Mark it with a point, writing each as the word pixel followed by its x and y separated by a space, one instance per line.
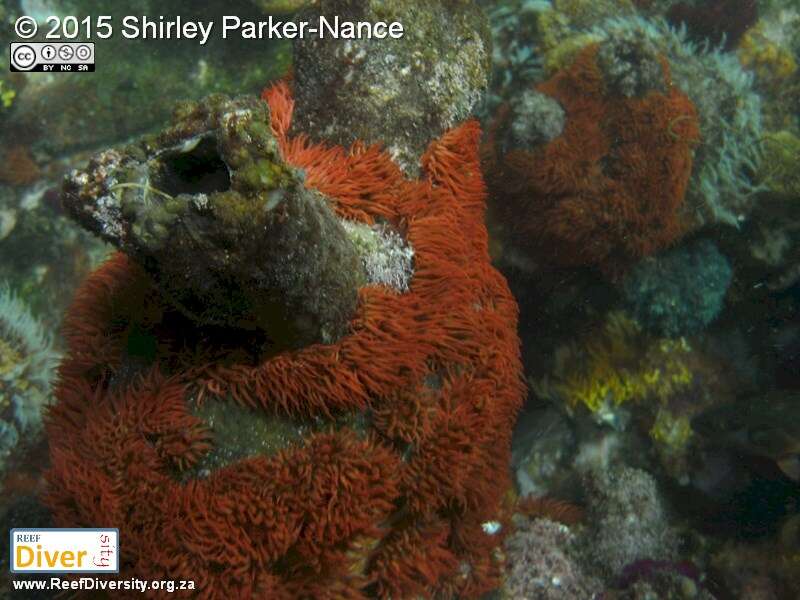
pixel 400 92
pixel 227 230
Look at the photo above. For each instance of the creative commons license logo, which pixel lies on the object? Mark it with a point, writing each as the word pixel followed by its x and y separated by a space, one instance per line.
pixel 56 57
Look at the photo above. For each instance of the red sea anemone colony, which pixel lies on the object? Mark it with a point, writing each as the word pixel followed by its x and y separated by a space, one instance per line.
pixel 392 508
pixel 610 189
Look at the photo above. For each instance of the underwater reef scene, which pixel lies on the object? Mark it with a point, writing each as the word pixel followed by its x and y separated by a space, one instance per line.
pixel 504 308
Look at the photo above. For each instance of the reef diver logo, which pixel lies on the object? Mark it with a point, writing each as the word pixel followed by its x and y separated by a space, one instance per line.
pixel 56 550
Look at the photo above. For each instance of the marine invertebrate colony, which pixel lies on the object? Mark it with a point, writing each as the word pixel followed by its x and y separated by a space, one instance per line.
pixel 615 367
pixel 610 188
pixel 721 189
pixel 546 563
pixel 680 292
pixel 727 151
pixel 405 419
pixel 628 519
pixel 772 62
pixel 27 364
pixel 780 172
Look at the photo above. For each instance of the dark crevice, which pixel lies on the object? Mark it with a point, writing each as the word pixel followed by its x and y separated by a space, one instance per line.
pixel 198 171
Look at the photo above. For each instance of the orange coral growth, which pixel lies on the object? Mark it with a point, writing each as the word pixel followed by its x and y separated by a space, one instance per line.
pixel 17 167
pixel 413 560
pixel 391 507
pixel 607 191
pixel 114 464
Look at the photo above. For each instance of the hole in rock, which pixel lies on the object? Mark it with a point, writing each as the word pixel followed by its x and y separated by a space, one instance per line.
pixel 198 171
